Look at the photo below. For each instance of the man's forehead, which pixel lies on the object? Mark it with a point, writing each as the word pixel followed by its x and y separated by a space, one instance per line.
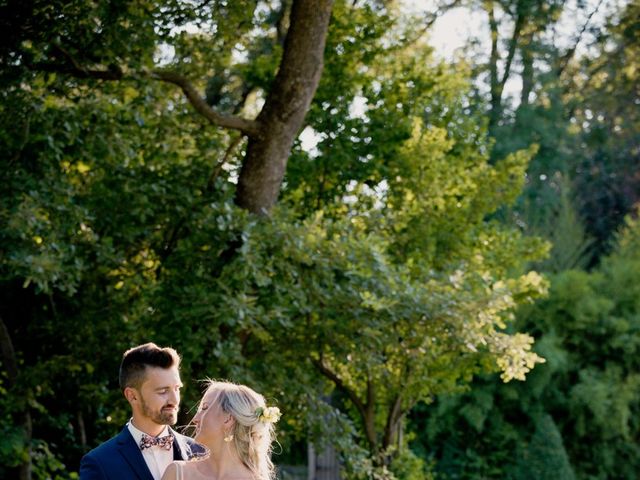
pixel 162 376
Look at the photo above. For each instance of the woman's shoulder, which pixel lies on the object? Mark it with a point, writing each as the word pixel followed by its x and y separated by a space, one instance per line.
pixel 171 473
pixel 181 469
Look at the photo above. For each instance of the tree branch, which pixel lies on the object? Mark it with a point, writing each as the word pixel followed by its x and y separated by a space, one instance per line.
pixel 114 72
pixel 564 61
pixel 248 127
pixel 227 154
pixel 338 382
pixel 513 44
pixel 430 18
pixel 370 418
pixel 394 414
pixel 371 396
pixel 111 73
pixel 283 20
pixel 367 411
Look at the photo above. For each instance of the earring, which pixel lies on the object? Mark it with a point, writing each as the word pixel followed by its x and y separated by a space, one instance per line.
pixel 228 438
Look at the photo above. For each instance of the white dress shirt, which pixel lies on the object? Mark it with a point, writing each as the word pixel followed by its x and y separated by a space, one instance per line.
pixel 156 458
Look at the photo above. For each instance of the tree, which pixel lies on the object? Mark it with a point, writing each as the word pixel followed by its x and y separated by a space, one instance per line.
pixel 116 42
pixel 382 284
pixel 527 44
pixel 375 296
pixel 576 412
pixel 605 93
pixel 545 457
pixel 270 135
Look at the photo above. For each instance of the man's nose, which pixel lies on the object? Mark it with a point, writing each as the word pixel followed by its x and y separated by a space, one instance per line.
pixel 174 397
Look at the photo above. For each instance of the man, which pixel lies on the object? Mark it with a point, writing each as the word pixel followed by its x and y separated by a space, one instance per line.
pixel 150 380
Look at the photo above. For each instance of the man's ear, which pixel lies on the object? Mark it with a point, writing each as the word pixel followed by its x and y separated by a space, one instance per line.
pixel 131 394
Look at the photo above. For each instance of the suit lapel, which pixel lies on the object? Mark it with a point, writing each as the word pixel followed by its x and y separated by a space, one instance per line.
pixel 186 448
pixel 179 449
pixel 131 452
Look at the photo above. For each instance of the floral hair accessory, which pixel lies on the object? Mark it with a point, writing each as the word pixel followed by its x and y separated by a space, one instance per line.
pixel 268 414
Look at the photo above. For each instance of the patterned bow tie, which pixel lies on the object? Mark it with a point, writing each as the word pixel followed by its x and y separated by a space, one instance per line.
pixel 165 442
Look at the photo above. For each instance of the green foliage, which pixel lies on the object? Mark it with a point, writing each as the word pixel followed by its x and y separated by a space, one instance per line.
pixel 545 457
pixel 580 108
pixel 579 411
pixel 408 466
pixel 562 224
pixel 385 275
pixel 46 466
pixel 88 202
pixel 13 446
pixel 606 99
pixel 114 235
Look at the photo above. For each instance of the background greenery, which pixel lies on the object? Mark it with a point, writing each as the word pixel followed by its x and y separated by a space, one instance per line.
pixel 390 301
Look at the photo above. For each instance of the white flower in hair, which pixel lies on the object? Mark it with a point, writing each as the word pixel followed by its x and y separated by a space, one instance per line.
pixel 268 414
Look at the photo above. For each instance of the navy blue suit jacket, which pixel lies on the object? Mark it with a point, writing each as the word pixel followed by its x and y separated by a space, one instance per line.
pixel 121 459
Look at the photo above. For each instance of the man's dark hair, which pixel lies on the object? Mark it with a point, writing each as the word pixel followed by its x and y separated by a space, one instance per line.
pixel 136 360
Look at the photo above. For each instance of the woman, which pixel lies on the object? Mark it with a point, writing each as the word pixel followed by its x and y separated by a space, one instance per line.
pixel 235 424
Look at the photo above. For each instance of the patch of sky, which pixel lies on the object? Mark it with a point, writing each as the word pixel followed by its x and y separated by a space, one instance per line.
pixel 356 191
pixel 309 140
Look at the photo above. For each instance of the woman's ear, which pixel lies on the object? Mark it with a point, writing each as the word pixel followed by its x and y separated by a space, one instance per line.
pixel 230 421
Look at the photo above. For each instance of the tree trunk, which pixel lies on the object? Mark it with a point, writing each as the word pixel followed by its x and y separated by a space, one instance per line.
pixel 494 83
pixel 497 84
pixel 23 419
pixel 82 431
pixel 283 114
pixel 527 72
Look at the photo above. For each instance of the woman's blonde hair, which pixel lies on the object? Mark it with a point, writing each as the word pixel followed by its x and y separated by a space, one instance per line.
pixel 252 437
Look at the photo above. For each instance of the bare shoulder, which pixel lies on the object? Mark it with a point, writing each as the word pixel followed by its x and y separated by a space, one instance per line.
pixel 171 473
pixel 181 469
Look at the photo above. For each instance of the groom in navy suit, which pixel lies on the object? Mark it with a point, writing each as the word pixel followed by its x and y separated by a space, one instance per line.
pixel 150 380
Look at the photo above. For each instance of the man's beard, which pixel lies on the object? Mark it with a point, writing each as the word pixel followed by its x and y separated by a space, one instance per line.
pixel 161 417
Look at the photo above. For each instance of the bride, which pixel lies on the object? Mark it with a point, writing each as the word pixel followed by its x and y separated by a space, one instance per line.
pixel 235 424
